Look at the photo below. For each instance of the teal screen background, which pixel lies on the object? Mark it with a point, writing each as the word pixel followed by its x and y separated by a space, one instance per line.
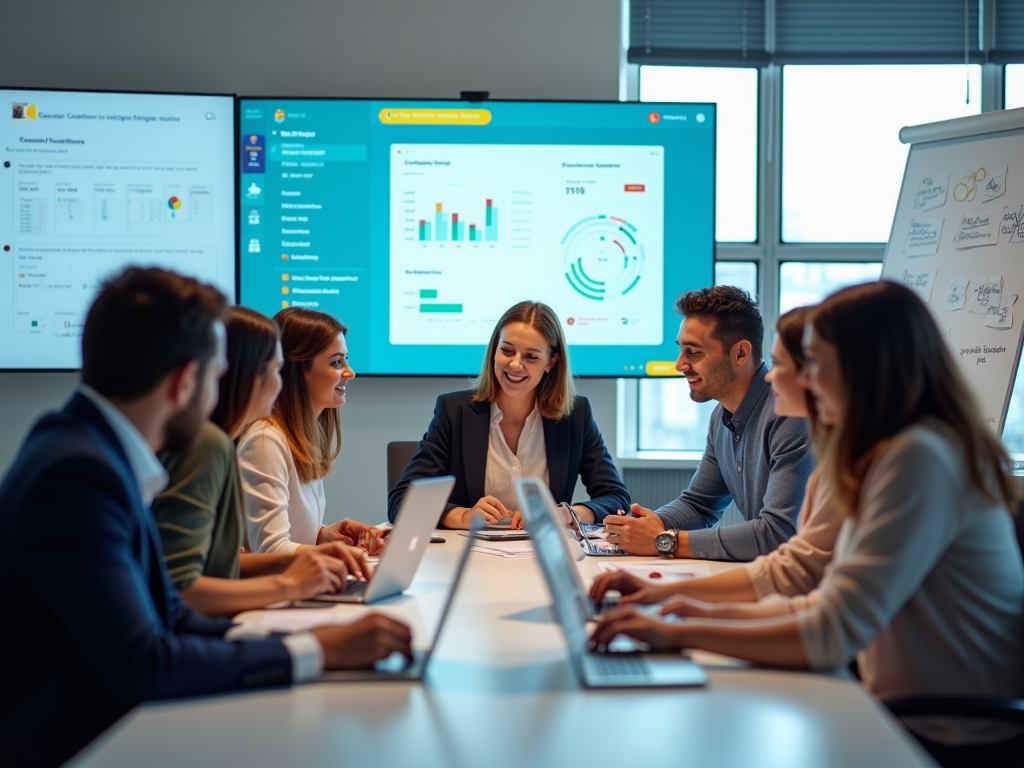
pixel 341 170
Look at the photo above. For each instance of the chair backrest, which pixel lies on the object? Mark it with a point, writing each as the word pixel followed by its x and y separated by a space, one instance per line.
pixel 399 454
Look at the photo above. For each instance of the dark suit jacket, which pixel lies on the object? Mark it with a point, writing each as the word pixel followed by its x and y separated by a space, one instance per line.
pixel 92 624
pixel 456 444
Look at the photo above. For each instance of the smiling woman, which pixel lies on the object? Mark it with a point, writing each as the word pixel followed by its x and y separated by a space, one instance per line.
pixel 523 419
pixel 284 458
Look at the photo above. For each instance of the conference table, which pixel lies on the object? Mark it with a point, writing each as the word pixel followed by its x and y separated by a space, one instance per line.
pixel 500 691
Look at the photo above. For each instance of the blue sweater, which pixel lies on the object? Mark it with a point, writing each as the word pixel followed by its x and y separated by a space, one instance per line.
pixel 755 458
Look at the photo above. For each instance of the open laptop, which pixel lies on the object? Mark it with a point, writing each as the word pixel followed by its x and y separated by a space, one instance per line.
pixel 597 548
pixel 417 518
pixel 397 667
pixel 595 670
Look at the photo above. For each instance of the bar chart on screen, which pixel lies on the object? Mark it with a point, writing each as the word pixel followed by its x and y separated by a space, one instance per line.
pixel 573 226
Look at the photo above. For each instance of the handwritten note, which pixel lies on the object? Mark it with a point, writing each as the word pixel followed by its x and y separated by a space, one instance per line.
pixel 923 237
pixel 966 189
pixel 1000 313
pixel 956 294
pixel 977 228
pixel 985 295
pixel 1011 227
pixel 931 192
pixel 920 283
pixel 995 184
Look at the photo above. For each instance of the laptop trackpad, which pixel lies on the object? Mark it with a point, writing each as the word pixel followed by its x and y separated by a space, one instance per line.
pixel 671 669
pixel 396 662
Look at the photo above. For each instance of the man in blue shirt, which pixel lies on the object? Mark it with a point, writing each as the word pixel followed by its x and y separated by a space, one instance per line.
pixel 753 457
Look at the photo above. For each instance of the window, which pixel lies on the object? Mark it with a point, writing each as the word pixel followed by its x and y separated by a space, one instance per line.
pixel 1013 86
pixel 842 160
pixel 802 283
pixel 734 90
pixel 827 168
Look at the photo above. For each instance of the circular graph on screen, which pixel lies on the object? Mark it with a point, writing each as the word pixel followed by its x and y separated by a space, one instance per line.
pixel 604 258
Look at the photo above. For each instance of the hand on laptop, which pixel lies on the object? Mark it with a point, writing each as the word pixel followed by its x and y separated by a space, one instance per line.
pixel 359 644
pixel 517 521
pixel 353 557
pixel 312 572
pixel 354 534
pixel 659 635
pixel 632 588
pixel 634 532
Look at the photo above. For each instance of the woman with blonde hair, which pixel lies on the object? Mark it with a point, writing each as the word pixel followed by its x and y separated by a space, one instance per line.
pixel 523 418
pixel 285 457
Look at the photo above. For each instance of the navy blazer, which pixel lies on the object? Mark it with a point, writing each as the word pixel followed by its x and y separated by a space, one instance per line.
pixel 92 624
pixel 456 444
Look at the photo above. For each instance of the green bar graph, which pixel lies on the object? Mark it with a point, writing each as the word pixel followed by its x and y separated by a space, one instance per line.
pixel 428 293
pixel 445 308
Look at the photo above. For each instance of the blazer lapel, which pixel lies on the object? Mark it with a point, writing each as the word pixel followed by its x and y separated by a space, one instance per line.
pixel 557 436
pixel 476 429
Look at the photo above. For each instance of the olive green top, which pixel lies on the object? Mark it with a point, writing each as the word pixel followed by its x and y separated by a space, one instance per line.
pixel 200 513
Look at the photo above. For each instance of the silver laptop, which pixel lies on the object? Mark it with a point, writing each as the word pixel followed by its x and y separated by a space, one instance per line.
pixel 595 670
pixel 417 518
pixel 397 667
pixel 597 548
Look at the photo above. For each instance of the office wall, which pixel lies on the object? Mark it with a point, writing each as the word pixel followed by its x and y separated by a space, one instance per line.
pixel 545 49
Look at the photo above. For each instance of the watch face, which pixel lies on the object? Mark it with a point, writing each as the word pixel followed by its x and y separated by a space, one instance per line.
pixel 664 542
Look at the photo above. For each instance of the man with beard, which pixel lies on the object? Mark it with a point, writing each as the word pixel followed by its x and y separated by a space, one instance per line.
pixel 753 457
pixel 93 626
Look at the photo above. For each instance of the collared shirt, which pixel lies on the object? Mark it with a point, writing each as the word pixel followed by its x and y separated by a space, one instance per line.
pixel 504 466
pixel 151 478
pixel 150 475
pixel 755 458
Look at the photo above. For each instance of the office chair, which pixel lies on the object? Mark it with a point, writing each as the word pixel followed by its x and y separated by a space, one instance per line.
pixel 1010 710
pixel 399 454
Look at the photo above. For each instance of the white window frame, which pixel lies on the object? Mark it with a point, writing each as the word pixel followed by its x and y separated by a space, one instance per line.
pixel 768 252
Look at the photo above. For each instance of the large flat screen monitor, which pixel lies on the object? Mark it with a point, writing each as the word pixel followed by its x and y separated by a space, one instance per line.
pixel 419 223
pixel 91 182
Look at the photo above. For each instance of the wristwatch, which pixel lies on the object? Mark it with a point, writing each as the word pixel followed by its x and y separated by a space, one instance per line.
pixel 666 543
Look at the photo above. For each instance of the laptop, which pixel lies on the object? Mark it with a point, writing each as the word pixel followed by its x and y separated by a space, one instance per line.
pixel 595 670
pixel 598 548
pixel 417 518
pixel 397 667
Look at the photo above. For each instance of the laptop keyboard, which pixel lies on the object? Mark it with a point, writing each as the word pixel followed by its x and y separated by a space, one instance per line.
pixel 355 587
pixel 618 664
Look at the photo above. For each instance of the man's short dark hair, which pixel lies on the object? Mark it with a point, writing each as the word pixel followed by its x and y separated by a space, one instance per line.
pixel 144 324
pixel 736 315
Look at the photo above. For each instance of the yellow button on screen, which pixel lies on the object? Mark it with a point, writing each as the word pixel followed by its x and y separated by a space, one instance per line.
pixel 435 116
pixel 662 368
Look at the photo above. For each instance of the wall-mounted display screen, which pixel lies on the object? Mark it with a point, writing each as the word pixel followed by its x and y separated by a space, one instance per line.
pixel 419 223
pixel 91 182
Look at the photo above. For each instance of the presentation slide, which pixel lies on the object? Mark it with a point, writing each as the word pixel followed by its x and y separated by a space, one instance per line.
pixel 92 182
pixel 419 223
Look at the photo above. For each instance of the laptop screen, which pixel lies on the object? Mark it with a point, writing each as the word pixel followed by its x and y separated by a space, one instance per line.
pixel 559 571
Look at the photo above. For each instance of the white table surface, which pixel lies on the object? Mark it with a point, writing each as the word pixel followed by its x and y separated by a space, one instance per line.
pixel 500 692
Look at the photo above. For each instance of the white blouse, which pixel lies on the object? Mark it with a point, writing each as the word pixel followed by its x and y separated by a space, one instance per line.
pixel 281 512
pixel 504 467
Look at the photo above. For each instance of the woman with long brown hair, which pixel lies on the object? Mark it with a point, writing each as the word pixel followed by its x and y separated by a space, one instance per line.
pixel 926 586
pixel 199 515
pixel 523 418
pixel 796 567
pixel 285 457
